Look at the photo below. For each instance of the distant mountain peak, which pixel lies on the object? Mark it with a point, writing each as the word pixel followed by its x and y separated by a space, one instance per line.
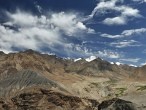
pixel 91 58
pixel 30 51
pixel 118 63
pixel 78 59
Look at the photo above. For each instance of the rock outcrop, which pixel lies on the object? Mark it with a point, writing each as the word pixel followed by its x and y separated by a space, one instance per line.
pixel 116 104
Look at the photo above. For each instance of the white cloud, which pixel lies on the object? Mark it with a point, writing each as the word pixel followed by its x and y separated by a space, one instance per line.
pixel 126 33
pixel 133 60
pixel 120 20
pixel 125 12
pixel 133 31
pixel 141 1
pixel 34 32
pixel 102 7
pixel 70 23
pixel 125 43
pixel 108 54
pixel 39 8
pixel 23 19
pixel 129 11
pixel 80 49
pixel 110 36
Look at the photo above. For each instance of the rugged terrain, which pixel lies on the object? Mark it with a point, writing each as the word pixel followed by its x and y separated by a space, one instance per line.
pixel 33 81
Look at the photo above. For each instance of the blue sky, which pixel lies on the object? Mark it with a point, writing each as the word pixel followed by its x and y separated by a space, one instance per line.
pixel 114 30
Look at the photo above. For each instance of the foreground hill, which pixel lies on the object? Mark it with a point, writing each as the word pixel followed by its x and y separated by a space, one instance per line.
pixel 33 81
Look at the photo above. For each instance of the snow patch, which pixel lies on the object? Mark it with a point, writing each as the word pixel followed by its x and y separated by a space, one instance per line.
pixel 78 59
pixel 112 63
pixel 118 63
pixel 143 64
pixel 132 65
pixel 91 58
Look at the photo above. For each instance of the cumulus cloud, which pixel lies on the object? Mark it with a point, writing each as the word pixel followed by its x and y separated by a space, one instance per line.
pixel 120 20
pixel 69 23
pixel 125 12
pixel 24 30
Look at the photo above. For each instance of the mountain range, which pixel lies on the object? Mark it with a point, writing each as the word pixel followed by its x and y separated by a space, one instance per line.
pixel 30 80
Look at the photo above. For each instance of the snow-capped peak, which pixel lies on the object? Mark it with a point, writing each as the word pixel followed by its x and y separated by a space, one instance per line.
pixel 118 63
pixel 132 65
pixel 91 58
pixel 112 63
pixel 78 59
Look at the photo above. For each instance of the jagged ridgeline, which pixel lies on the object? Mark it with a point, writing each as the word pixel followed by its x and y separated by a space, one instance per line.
pixel 30 80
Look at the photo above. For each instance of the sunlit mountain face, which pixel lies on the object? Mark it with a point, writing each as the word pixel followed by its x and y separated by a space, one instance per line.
pixel 114 30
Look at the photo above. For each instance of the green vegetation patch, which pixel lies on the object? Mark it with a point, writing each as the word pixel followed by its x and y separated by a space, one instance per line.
pixel 111 81
pixel 141 88
pixel 93 85
pixel 120 91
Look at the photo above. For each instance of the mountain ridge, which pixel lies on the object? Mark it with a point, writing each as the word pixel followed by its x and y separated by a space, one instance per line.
pixel 87 59
pixel 35 60
pixel 98 80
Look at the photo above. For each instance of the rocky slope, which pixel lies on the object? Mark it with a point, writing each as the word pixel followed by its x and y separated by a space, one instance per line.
pixel 41 99
pixel 33 81
pixel 117 104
